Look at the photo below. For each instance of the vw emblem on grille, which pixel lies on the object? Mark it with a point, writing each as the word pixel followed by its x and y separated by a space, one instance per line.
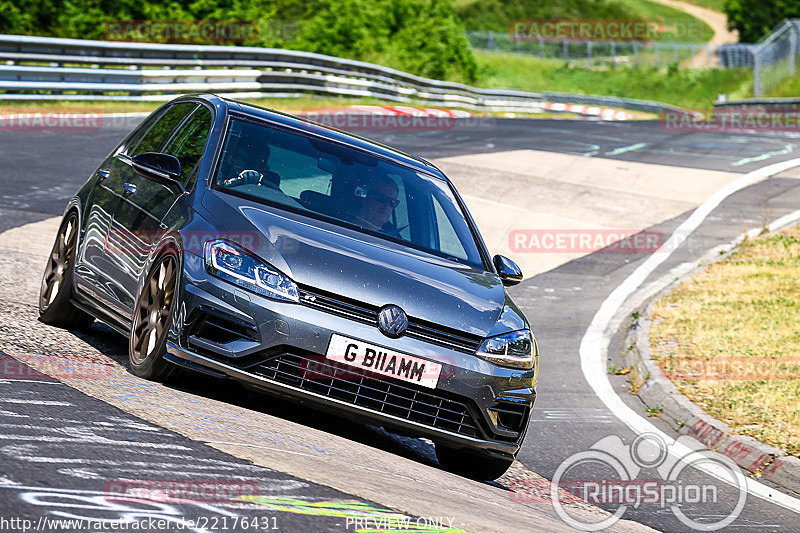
pixel 392 321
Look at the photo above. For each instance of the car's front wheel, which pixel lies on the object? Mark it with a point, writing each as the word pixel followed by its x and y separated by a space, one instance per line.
pixel 472 464
pixel 55 293
pixel 151 321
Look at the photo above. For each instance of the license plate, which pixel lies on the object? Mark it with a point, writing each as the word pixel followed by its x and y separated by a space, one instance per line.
pixel 382 361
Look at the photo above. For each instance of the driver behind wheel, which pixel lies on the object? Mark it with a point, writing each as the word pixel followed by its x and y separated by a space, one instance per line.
pixel 378 200
pixel 253 169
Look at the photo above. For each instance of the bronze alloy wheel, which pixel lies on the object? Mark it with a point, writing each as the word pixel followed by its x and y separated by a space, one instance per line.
pixel 151 320
pixel 56 290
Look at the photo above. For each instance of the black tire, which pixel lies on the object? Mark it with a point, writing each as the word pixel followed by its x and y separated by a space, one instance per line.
pixel 472 464
pixel 151 321
pixel 55 293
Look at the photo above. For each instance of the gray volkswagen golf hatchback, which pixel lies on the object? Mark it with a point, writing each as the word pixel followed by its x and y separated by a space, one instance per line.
pixel 305 262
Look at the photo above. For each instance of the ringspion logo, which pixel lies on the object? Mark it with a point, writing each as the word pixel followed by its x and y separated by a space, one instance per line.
pixel 648 473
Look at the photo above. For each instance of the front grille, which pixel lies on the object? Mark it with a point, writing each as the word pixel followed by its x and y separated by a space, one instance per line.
pixel 364 313
pixel 364 389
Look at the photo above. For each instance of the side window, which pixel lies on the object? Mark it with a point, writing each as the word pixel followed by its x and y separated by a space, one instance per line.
pixel 449 242
pixel 154 139
pixel 299 173
pixel 143 128
pixel 189 142
pixel 401 211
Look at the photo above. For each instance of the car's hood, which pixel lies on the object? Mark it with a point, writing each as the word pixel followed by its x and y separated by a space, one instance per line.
pixel 362 267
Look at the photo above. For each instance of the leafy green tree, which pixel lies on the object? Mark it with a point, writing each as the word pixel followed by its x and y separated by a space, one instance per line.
pixel 435 45
pixel 15 18
pixel 424 37
pixel 421 36
pixel 756 18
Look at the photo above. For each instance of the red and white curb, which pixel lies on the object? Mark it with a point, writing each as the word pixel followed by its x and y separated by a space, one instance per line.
pixel 605 113
pixel 400 110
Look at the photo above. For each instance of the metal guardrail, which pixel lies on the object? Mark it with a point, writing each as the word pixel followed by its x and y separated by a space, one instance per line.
pixel 775 57
pixel 49 68
pixel 760 103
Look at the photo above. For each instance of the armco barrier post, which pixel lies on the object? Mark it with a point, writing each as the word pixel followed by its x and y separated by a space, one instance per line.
pixel 589 54
pixel 793 46
pixel 756 72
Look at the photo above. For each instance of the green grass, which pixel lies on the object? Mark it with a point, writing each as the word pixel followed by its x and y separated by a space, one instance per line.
pixel 728 339
pixel 690 88
pixel 496 15
pixel 716 5
pixel 679 26
pixel 788 88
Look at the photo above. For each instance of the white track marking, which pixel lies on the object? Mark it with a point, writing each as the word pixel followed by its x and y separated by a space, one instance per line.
pixel 261 447
pixel 598 335
pixel 12 414
pixel 93 439
pixel 80 473
pixel 8 380
pixel 34 402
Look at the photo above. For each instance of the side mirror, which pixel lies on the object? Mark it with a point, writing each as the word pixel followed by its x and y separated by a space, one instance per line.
pixel 510 274
pixel 161 168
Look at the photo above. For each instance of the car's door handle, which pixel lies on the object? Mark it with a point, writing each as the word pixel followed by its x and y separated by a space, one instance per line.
pixel 104 174
pixel 130 189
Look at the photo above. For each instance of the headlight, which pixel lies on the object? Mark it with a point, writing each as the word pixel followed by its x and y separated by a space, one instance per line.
pixel 235 264
pixel 515 349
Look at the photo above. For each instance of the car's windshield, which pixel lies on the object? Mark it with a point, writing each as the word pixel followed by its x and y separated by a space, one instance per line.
pixel 347 186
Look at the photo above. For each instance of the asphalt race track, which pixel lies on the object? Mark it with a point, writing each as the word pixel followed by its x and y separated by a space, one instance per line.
pixel 55 437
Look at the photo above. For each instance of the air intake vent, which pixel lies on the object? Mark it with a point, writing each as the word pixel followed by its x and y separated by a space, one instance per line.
pixel 219 329
pixel 512 414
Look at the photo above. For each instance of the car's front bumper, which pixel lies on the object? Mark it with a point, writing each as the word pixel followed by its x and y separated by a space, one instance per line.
pixel 268 341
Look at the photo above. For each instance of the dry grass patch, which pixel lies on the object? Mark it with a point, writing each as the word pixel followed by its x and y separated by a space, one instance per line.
pixel 730 339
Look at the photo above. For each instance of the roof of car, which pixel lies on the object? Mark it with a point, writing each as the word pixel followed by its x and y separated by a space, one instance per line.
pixel 332 133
